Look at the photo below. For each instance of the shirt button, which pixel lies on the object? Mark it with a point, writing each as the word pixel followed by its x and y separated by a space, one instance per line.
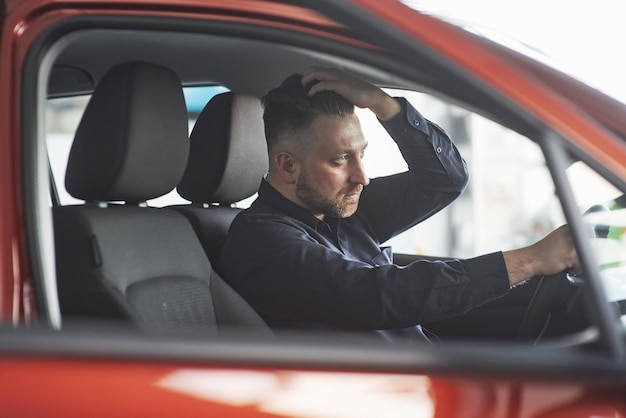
pixel 438 150
pixel 416 122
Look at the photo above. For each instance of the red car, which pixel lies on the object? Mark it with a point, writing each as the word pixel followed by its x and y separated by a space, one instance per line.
pixel 94 239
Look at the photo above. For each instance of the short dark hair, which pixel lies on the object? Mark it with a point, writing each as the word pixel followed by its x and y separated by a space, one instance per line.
pixel 288 109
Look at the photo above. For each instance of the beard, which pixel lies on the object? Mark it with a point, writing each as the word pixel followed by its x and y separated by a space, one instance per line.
pixel 317 202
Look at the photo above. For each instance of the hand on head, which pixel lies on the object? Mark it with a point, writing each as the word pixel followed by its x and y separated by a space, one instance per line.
pixel 358 92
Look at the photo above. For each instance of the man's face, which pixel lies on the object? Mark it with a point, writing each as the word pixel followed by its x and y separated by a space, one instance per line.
pixel 332 177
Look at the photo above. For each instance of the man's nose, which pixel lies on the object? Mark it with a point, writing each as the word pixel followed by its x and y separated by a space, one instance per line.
pixel 358 174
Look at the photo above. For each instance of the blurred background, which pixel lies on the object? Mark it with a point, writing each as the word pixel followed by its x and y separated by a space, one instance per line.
pixel 584 39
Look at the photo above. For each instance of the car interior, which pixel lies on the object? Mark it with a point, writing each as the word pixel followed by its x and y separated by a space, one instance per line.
pixel 120 256
pixel 143 264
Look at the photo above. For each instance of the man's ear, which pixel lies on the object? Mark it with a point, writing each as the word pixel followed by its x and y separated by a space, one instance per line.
pixel 288 167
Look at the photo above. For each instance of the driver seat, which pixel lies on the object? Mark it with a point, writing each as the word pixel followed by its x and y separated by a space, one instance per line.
pixel 227 159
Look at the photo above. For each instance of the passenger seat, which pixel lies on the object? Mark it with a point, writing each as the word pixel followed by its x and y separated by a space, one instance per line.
pixel 117 258
pixel 227 159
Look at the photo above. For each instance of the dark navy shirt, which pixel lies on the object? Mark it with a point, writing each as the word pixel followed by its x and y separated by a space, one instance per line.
pixel 299 271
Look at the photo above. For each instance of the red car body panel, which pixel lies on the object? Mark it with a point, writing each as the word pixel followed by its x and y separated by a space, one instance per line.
pixel 68 388
pixel 40 385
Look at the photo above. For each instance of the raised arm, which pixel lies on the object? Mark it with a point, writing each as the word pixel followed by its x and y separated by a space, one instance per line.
pixel 356 91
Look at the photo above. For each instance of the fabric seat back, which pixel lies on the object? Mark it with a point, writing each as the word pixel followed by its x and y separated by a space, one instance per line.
pixel 227 159
pixel 118 258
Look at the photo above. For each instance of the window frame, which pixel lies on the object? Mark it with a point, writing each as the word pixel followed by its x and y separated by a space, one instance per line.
pixel 38 217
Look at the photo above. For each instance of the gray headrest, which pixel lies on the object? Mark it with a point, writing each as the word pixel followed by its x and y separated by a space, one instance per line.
pixel 131 144
pixel 228 153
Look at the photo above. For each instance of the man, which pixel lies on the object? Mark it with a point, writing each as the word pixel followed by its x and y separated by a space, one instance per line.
pixel 307 252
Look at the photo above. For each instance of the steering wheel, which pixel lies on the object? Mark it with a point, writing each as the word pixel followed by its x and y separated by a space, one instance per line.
pixel 556 308
pixel 556 305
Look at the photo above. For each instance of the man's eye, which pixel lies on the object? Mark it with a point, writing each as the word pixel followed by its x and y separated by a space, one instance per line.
pixel 341 159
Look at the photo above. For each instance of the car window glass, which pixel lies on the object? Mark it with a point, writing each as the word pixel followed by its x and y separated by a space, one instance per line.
pixel 62 119
pixel 510 201
pixel 604 209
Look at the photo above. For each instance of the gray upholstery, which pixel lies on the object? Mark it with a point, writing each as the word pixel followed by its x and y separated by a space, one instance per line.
pixel 228 152
pixel 228 157
pixel 125 118
pixel 129 262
